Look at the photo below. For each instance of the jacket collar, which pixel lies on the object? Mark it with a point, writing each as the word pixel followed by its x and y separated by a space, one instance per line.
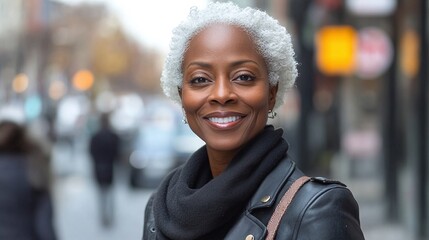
pixel 272 185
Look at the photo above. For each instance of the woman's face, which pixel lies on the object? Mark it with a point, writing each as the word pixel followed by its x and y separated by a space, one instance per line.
pixel 225 92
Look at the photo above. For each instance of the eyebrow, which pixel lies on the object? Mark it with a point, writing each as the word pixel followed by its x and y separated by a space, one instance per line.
pixel 234 64
pixel 201 64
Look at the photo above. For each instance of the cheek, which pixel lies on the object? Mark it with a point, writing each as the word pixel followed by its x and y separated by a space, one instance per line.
pixel 191 101
pixel 259 100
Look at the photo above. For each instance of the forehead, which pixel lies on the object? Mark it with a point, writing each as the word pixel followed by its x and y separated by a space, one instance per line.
pixel 222 30
pixel 220 38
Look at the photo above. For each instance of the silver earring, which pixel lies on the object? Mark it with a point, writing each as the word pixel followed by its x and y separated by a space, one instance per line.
pixel 271 114
pixel 184 120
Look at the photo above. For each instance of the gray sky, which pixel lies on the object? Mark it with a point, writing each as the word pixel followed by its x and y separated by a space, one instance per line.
pixel 148 21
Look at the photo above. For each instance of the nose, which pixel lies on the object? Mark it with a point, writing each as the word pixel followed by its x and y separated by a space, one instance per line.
pixel 222 92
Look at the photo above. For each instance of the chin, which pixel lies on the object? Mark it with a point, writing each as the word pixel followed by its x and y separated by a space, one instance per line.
pixel 224 146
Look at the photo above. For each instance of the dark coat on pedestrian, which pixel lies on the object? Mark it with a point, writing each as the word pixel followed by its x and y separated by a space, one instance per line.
pixel 26 208
pixel 104 150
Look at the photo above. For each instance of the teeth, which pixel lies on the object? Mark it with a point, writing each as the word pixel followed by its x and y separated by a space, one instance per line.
pixel 224 120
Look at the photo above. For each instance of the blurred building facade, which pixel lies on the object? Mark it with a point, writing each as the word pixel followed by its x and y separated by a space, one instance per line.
pixel 52 52
pixel 374 109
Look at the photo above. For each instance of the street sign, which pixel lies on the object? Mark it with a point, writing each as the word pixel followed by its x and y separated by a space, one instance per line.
pixel 374 53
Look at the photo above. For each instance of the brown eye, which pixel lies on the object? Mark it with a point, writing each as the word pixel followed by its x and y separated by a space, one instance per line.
pixel 245 78
pixel 199 80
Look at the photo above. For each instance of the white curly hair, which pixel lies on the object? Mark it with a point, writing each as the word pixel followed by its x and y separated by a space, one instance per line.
pixel 271 38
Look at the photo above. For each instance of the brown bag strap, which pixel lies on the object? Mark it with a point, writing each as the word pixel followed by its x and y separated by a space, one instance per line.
pixel 283 205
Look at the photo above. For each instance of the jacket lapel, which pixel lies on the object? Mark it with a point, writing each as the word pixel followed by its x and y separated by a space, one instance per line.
pixel 250 227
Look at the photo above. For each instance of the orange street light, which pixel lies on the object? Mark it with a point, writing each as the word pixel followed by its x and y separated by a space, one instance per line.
pixel 83 80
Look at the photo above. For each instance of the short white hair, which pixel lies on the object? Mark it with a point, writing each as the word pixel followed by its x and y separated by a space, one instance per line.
pixel 271 38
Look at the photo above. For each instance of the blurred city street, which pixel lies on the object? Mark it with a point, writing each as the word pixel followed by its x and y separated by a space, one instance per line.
pixel 358 111
pixel 76 200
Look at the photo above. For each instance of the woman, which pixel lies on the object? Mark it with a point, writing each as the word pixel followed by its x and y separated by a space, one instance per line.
pixel 229 68
pixel 26 210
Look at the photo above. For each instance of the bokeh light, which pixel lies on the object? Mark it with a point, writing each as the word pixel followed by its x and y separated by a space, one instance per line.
pixel 83 80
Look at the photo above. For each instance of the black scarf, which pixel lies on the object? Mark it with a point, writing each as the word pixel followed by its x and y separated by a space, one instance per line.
pixel 191 204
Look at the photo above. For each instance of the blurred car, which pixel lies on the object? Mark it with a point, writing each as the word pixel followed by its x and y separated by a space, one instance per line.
pixel 71 116
pixel 153 154
pixel 162 143
pixel 185 143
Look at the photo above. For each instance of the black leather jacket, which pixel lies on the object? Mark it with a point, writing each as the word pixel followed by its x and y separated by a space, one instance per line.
pixel 322 209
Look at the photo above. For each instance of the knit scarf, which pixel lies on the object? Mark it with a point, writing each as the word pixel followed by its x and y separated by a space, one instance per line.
pixel 191 204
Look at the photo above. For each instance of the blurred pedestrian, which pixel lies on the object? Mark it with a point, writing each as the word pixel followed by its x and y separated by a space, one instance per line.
pixel 26 209
pixel 229 68
pixel 104 150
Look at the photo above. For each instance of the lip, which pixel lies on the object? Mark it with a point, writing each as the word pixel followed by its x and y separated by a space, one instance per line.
pixel 224 120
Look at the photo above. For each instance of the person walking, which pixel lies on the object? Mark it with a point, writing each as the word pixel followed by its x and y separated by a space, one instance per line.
pixel 104 150
pixel 26 208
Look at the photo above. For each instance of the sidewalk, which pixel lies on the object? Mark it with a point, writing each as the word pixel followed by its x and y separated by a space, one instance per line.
pixel 373 211
pixel 77 212
pixel 388 232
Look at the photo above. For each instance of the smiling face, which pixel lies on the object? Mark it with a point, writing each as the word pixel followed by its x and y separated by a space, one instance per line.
pixel 225 92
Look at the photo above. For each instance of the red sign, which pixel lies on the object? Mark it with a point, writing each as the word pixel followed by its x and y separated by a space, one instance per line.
pixel 374 53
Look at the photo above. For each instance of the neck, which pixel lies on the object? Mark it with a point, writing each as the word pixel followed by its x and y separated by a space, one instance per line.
pixel 219 161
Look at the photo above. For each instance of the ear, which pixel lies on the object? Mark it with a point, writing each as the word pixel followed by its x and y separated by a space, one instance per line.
pixel 273 95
